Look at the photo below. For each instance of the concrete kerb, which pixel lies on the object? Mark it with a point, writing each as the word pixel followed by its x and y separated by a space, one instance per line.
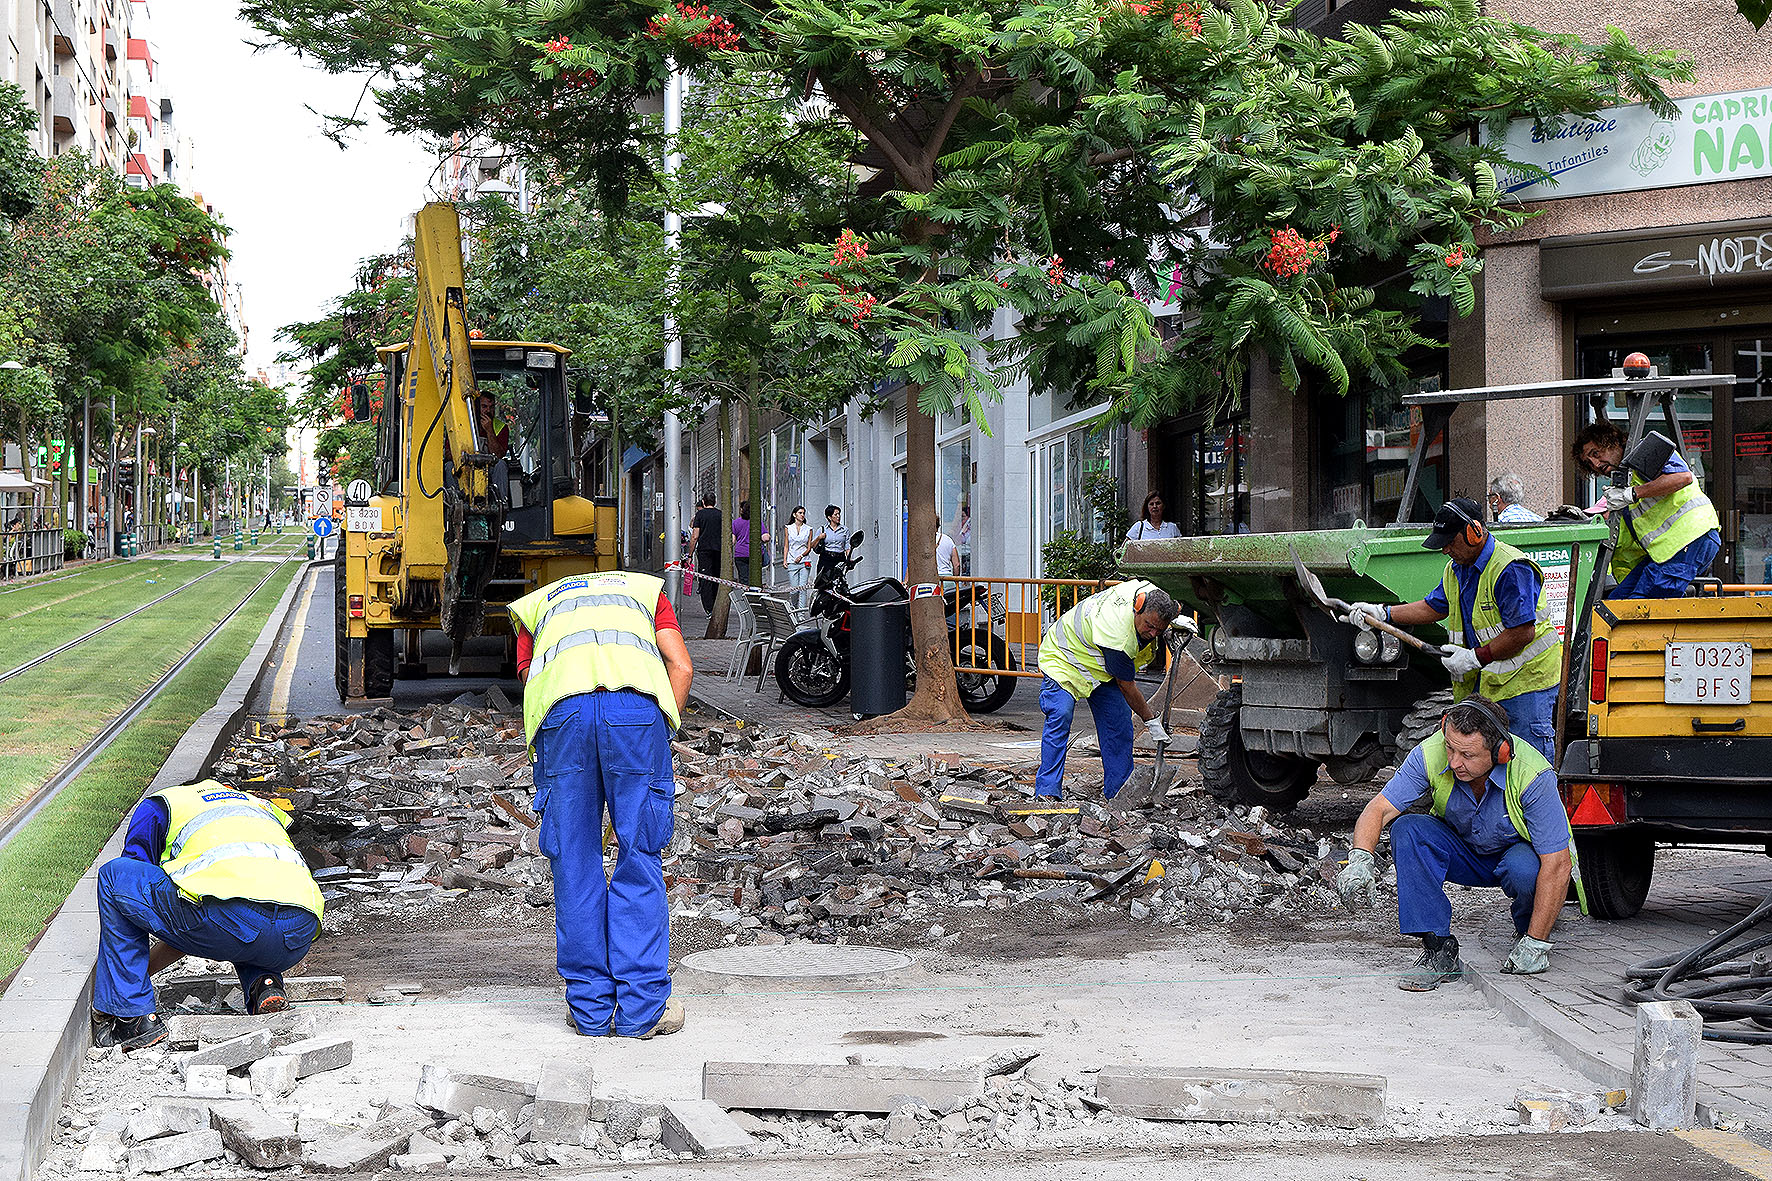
pixel 44 1026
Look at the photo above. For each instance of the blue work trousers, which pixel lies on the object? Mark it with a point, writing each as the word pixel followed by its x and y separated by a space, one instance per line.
pixel 1113 733
pixel 596 752
pixel 1650 579
pixel 136 900
pixel 1532 716
pixel 1429 854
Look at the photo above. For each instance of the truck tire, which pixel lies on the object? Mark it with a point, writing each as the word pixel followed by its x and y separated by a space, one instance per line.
pixel 341 647
pixel 1421 722
pixel 378 663
pixel 1616 868
pixel 1237 775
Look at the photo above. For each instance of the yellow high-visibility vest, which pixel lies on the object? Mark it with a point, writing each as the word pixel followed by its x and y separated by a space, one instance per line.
pixel 1070 652
pixel 1665 525
pixel 592 631
pixel 222 843
pixel 1536 666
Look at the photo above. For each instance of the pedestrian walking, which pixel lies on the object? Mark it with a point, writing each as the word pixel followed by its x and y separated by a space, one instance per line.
pixel 741 542
pixel 946 552
pixel 606 676
pixel 1093 654
pixel 208 871
pixel 831 544
pixel 796 555
pixel 1494 819
pixel 1150 525
pixel 704 541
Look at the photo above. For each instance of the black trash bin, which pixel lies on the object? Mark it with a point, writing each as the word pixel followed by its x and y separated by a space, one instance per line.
pixel 876 649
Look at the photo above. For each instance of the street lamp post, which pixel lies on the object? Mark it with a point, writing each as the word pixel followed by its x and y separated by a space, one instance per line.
pixel 673 426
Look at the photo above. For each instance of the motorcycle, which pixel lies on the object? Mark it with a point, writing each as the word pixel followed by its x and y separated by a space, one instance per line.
pixel 812 665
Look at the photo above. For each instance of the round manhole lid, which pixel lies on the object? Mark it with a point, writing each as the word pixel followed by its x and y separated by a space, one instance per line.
pixel 797 959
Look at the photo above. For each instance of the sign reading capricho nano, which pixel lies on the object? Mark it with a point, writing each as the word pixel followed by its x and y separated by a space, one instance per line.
pixel 1711 137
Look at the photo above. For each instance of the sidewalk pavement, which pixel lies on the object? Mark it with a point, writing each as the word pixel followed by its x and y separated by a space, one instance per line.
pixel 1578 1005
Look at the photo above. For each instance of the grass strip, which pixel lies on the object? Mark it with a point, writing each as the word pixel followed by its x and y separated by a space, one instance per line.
pixel 44 861
pixel 37 633
pixel 32 599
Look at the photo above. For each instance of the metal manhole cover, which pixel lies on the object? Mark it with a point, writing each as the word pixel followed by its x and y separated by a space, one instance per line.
pixel 797 959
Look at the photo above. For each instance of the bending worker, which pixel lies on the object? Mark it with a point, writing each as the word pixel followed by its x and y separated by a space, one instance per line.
pixel 1093 653
pixel 208 871
pixel 1504 636
pixel 1496 820
pixel 606 677
pixel 1669 534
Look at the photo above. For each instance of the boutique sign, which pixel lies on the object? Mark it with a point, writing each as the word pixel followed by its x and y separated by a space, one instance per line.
pixel 1624 149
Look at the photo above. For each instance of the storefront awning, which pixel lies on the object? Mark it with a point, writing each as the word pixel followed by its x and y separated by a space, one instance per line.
pixel 14 482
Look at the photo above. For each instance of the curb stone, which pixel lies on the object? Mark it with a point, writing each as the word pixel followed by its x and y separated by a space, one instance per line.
pixel 44 1031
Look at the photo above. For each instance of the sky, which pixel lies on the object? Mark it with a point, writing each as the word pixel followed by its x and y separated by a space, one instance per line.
pixel 302 211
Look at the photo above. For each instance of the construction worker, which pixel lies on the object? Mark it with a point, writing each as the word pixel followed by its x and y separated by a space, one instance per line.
pixel 1092 654
pixel 1496 820
pixel 606 677
pixel 1669 533
pixel 208 871
pixel 1502 626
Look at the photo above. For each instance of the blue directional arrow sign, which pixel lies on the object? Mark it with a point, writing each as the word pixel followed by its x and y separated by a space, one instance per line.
pixel 322 526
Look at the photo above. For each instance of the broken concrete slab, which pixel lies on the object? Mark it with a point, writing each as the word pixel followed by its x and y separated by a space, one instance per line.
pixel 233 1053
pixel 562 1104
pixel 454 1093
pixel 165 1117
pixel 1664 1069
pixel 786 1086
pixel 367 1150
pixel 206 1081
pixel 273 1077
pixel 175 1152
pixel 317 1054
pixel 192 1030
pixel 703 1128
pixel 1007 1062
pixel 263 1139
pixel 1231 1095
pixel 305 989
pixel 1552 1111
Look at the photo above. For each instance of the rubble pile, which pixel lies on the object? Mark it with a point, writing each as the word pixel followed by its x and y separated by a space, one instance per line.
pixel 778 833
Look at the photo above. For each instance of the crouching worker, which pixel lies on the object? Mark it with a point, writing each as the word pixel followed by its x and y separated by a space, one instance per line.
pixel 1495 820
pixel 207 871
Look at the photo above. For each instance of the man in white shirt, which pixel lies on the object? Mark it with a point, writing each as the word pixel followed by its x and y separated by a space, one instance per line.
pixel 945 549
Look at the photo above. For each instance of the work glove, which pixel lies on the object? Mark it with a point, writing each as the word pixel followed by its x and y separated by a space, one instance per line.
pixel 1153 729
pixel 1357 882
pixel 1363 615
pixel 1615 498
pixel 1460 662
pixel 1529 957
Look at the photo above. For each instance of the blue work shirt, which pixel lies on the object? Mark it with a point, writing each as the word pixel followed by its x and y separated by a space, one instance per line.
pixel 1516 592
pixel 146 839
pixel 1484 824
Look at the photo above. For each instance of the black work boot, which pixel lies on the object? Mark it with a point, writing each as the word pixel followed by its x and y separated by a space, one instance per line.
pixel 267 995
pixel 132 1033
pixel 1438 964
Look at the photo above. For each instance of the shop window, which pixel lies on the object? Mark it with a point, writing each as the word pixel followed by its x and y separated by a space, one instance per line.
pixel 1061 466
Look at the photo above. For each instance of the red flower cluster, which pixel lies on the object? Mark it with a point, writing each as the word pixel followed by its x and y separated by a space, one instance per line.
pixel 1291 253
pixel 860 307
pixel 559 44
pixel 849 249
pixel 1185 15
pixel 720 33
pixel 1055 270
pixel 1456 258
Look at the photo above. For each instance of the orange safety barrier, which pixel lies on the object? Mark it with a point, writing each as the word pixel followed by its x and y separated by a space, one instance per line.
pixel 1018 610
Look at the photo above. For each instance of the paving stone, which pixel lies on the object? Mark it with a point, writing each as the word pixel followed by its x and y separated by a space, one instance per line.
pixel 367 1150
pixel 233 1053
pixel 206 1081
pixel 317 1054
pixel 1552 1111
pixel 792 1087
pixel 1230 1095
pixel 273 1077
pixel 190 1030
pixel 104 1153
pixel 457 1094
pixel 175 1152
pixel 303 989
pixel 164 1117
pixel 562 1103
pixel 263 1139
pixel 1664 1070
pixel 702 1127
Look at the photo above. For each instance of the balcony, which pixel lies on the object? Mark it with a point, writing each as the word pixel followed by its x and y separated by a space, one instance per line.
pixel 113 110
pixel 113 42
pixel 66 106
pixel 61 12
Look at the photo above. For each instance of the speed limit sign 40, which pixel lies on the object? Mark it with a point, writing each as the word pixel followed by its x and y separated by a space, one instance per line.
pixel 357 492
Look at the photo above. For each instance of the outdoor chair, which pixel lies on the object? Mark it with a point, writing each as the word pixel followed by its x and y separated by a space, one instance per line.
pixel 747 636
pixel 775 622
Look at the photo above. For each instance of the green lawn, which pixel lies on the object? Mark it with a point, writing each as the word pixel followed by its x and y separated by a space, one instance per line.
pixel 33 630
pixel 42 863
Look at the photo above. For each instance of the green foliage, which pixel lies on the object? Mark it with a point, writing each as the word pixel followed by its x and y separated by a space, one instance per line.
pixel 73 543
pixel 21 169
pixel 347 451
pixel 1756 11
pixel 338 349
pixel 1074 553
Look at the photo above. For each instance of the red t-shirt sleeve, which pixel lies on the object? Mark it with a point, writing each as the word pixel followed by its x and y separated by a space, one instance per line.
pixel 663 616
pixel 525 648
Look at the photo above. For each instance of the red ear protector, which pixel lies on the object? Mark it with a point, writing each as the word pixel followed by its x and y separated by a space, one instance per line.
pixel 1473 529
pixel 1502 752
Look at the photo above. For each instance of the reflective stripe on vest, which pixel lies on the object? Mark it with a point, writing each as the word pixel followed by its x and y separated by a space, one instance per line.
pixel 223 843
pixel 1070 652
pixel 1522 769
pixel 1665 525
pixel 590 632
pixel 1536 666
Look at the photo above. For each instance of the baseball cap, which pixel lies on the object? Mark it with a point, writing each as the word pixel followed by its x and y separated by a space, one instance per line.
pixel 1450 521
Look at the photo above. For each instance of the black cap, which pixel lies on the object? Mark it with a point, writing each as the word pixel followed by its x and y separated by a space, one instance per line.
pixel 1450 521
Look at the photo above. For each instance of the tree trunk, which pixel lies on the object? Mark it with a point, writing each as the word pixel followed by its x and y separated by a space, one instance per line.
pixel 722 601
pixel 937 698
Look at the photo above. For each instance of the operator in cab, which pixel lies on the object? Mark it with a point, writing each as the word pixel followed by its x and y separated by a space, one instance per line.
pixel 1093 654
pixel 606 676
pixel 1669 532
pixel 1495 819
pixel 1504 637
pixel 209 871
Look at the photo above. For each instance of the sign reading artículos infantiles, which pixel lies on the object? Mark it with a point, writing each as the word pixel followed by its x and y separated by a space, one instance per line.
pixel 1711 137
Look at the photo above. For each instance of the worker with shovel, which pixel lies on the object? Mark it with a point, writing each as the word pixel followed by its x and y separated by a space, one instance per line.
pixel 1501 622
pixel 1495 819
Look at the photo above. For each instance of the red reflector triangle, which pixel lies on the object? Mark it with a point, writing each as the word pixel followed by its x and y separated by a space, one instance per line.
pixel 1592 810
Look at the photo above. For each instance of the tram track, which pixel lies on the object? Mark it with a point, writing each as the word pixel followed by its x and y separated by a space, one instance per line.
pixel 45 657
pixel 27 809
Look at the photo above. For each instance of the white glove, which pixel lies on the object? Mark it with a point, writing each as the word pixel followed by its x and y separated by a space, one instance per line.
pixel 1153 729
pixel 1616 498
pixel 1529 957
pixel 1357 883
pixel 1460 662
pixel 1363 615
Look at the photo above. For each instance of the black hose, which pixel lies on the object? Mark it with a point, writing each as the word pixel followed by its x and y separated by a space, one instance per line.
pixel 1717 968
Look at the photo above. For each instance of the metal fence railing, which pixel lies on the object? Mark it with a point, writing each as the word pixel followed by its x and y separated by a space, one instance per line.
pixel 30 551
pixel 1017 609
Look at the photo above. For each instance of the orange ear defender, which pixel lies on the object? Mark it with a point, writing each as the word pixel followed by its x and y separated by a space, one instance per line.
pixel 1502 752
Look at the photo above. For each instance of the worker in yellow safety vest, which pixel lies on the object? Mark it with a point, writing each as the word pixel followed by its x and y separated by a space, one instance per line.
pixel 207 871
pixel 606 676
pixel 1495 819
pixel 1093 653
pixel 1669 533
